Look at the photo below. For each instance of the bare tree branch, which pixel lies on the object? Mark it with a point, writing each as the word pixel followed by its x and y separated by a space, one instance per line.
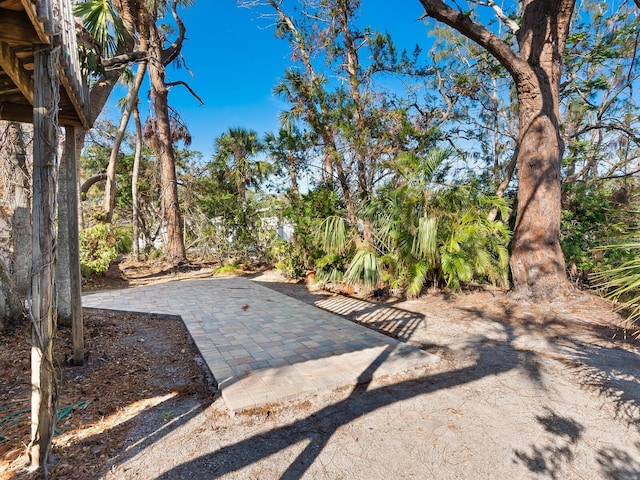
pixel 510 24
pixel 173 50
pixel 123 59
pixel 90 182
pixel 509 59
pixel 185 85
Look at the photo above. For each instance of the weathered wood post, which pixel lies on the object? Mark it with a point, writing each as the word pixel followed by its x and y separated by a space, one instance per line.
pixel 42 311
pixel 68 279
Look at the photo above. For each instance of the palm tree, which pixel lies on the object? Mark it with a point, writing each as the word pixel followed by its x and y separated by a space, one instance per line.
pixel 235 155
pixel 287 148
pixel 423 233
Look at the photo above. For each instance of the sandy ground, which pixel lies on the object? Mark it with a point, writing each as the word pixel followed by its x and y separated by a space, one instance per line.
pixel 521 392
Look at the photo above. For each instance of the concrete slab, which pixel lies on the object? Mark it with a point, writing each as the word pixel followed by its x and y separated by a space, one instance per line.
pixel 265 347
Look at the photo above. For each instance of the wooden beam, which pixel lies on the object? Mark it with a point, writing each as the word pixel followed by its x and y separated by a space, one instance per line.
pixel 30 8
pixel 77 105
pixel 11 65
pixel 16 28
pixel 14 112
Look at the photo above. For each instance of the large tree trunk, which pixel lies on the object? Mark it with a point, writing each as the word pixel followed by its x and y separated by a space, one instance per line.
pixel 134 185
pixel 20 200
pixel 537 262
pixel 169 184
pixel 11 311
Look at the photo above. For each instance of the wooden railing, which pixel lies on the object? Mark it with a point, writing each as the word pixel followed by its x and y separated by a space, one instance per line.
pixel 55 18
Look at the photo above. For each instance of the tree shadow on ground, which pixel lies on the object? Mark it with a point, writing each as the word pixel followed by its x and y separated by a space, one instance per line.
pixel 318 428
pixel 549 459
pixel 491 357
pixel 612 371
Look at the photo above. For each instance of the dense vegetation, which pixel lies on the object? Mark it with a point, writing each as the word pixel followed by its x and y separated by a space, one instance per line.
pixel 391 169
pixel 407 187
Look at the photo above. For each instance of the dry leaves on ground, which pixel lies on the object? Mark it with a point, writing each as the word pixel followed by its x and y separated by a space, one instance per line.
pixel 134 363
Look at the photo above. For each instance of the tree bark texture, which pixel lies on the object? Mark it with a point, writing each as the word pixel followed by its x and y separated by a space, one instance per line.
pixel 11 310
pixel 537 263
pixel 21 204
pixel 134 184
pixel 43 398
pixel 169 183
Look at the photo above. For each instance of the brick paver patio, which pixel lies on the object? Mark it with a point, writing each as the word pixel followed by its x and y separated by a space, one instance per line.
pixel 265 347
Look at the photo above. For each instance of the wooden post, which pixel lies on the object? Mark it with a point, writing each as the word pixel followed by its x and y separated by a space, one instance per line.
pixel 68 279
pixel 43 401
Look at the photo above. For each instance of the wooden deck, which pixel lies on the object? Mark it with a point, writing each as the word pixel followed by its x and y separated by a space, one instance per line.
pixel 25 26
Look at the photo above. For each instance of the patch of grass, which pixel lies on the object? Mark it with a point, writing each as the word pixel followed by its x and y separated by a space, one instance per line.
pixel 231 269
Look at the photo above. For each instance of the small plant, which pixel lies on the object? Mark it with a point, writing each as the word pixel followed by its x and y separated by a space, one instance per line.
pixel 167 417
pixel 97 249
pixel 230 269
pixel 621 283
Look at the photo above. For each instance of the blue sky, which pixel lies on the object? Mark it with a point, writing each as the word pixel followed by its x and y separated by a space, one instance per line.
pixel 236 61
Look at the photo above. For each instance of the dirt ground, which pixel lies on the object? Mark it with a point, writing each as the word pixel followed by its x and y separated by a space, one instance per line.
pixel 522 391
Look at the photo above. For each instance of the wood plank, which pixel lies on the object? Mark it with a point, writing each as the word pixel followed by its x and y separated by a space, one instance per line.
pixel 14 112
pixel 78 103
pixel 16 28
pixel 30 9
pixel 11 4
pixel 11 65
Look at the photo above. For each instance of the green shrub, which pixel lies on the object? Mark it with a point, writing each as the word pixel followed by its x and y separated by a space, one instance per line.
pixel 97 249
pixel 124 240
pixel 591 219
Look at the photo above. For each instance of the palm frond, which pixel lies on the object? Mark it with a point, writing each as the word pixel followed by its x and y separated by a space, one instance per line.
pixel 101 19
pixel 425 241
pixel 333 234
pixel 363 269
pixel 417 273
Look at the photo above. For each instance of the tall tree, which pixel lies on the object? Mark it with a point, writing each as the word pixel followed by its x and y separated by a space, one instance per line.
pixel 159 58
pixel 130 104
pixel 287 148
pixel 537 262
pixel 236 150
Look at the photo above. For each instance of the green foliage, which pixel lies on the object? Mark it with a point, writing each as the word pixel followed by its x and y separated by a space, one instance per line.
pixel 330 268
pixel 124 240
pixel 97 249
pixel 101 19
pixel 289 260
pixel 591 219
pixel 230 269
pixel 422 234
pixel 621 282
pixel 308 214
pixel 364 268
